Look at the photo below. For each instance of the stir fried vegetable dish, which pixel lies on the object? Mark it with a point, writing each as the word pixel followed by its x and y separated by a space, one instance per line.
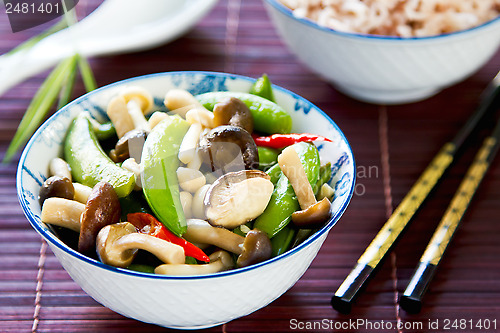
pixel 216 183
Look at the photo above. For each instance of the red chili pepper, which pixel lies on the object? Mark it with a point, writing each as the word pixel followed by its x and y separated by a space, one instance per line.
pixel 285 140
pixel 148 224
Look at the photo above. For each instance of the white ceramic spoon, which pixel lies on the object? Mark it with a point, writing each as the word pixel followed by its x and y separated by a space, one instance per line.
pixel 116 26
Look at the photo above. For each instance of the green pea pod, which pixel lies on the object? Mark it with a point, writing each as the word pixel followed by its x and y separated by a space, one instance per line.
pixel 268 117
pixel 263 88
pixel 282 241
pixel 267 157
pixel 159 178
pixel 105 131
pixel 274 172
pixel 283 201
pixel 141 268
pixel 89 164
pixel 325 173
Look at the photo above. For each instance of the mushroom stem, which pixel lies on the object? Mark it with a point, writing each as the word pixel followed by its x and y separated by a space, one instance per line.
pixel 135 112
pixel 62 212
pixel 219 261
pixel 119 116
pixel 59 167
pixel 292 168
pixel 165 251
pixel 200 231
pixel 82 192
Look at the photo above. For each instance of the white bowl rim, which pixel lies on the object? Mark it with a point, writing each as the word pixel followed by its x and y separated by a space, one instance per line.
pixel 54 240
pixel 288 12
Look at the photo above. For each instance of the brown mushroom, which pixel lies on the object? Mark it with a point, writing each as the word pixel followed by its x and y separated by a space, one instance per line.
pixel 313 214
pixel 256 248
pixel 102 208
pixel 232 111
pixel 56 186
pixel 105 244
pixel 229 148
pixel 219 261
pixel 129 145
pixel 238 197
pixel 118 243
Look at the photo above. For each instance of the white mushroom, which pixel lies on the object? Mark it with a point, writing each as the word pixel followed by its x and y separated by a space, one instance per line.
pixel 200 115
pixel 131 165
pixel 190 179
pixel 139 102
pixel 117 244
pixel 155 118
pixel 62 212
pixel 187 150
pixel 219 261
pixel 119 116
pixel 313 213
pixel 82 192
pixel 180 101
pixel 59 167
pixel 200 231
pixel 198 205
pixel 186 203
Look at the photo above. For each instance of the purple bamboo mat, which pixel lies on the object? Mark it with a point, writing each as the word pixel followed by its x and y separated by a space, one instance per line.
pixel 392 145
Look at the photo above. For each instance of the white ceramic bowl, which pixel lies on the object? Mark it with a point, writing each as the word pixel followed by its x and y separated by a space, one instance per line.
pixel 386 70
pixel 184 302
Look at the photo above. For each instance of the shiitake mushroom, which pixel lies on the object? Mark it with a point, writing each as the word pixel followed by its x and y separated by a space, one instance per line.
pixel 229 148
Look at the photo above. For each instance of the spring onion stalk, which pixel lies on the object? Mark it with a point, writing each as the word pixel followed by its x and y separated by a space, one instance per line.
pixel 41 103
pixel 87 74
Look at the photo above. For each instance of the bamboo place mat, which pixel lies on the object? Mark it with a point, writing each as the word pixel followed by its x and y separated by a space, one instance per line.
pixel 392 145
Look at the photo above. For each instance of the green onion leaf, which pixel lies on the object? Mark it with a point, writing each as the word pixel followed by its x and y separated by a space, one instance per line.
pixel 40 105
pixel 87 75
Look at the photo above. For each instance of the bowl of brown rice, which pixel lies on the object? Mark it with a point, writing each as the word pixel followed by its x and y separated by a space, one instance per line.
pixel 389 51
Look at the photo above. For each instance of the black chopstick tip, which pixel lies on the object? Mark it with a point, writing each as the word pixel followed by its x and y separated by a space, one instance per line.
pixel 341 305
pixel 410 304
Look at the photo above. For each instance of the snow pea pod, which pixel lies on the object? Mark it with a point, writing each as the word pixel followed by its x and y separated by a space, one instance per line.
pixel 283 201
pixel 263 88
pixel 159 178
pixel 268 117
pixel 89 164
pixel 267 157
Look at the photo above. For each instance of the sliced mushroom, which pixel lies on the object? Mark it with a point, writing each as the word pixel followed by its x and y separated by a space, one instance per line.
pixel 56 186
pixel 232 111
pixel 229 148
pixel 118 243
pixel 129 145
pixel 200 231
pixel 256 248
pixel 219 261
pixel 62 212
pixel 102 208
pixel 238 197
pixel 313 214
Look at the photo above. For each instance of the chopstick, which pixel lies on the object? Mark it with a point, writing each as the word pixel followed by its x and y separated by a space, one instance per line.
pixel 384 241
pixel 411 300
